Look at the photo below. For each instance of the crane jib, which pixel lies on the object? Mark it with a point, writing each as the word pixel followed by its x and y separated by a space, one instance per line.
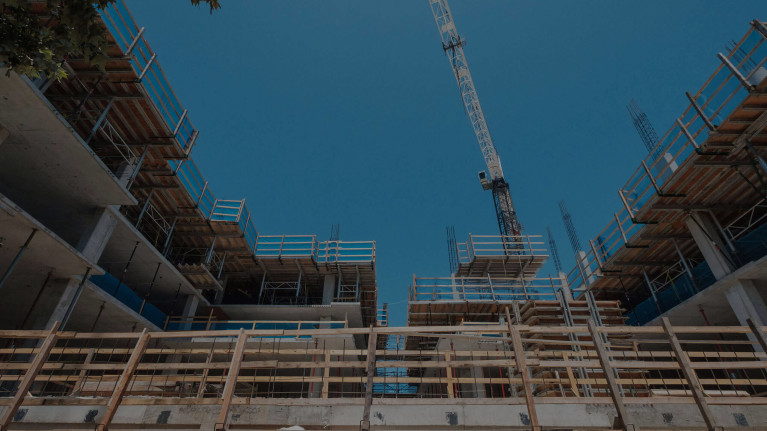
pixel 453 47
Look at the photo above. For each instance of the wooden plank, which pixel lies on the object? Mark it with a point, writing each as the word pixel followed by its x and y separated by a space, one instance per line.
pixel 29 376
pixel 609 373
pixel 690 376
pixel 519 356
pixel 231 381
pixel 371 371
pixel 122 383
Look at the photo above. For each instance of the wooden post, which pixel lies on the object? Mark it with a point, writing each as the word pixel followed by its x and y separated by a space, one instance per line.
pixel 758 333
pixel 690 376
pixel 519 357
pixel 371 372
pixel 29 377
pixel 231 381
pixel 449 376
pixel 122 382
pixel 326 376
pixel 604 361
pixel 205 372
pixel 570 375
pixel 81 378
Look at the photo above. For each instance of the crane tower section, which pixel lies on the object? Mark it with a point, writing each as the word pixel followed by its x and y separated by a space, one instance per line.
pixel 453 47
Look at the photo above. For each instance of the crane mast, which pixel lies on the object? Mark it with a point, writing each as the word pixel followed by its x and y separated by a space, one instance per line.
pixel 453 47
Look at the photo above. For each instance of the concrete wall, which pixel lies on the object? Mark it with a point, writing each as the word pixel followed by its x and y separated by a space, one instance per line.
pixel 394 414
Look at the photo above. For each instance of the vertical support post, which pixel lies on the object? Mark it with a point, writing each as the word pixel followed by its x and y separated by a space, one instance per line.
pixel 699 110
pixel 684 261
pixel 76 296
pixel 122 382
pixel 658 191
pixel 519 357
pixel 134 42
pixel 17 258
pixel 29 377
pixel 609 372
pixel 180 122
pixel 449 382
pixel 77 387
pixel 371 371
pixel 139 163
pixel 743 81
pixel 261 289
pixel 146 205
pixel 100 120
pixel 620 228
pixel 146 69
pixel 166 246
pixel 199 199
pixel 652 291
pixel 326 376
pixel 221 269
pixel 210 251
pixel 761 338
pixel 687 133
pixel 689 374
pixel 626 204
pixel 231 381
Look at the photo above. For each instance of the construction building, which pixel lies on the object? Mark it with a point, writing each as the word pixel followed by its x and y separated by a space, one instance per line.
pixel 137 299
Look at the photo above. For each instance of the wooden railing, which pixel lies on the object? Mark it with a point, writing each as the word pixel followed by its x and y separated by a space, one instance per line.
pixel 582 364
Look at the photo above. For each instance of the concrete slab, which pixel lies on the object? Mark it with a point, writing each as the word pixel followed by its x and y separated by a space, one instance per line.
pixel 44 156
pixel 144 264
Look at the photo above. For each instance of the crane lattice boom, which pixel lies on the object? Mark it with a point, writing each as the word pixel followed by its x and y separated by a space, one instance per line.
pixel 453 46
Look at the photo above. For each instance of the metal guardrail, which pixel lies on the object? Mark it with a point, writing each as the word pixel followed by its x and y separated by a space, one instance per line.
pixel 198 323
pixel 321 251
pixel 452 289
pixel 737 74
pixel 151 78
pixel 498 246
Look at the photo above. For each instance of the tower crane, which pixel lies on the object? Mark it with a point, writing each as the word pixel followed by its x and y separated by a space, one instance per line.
pixel 453 47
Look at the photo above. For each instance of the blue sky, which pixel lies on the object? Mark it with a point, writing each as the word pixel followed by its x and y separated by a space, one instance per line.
pixel 324 112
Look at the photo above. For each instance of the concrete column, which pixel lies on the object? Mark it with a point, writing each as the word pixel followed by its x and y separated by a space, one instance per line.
pixel 746 302
pixel 95 237
pixel 190 309
pixel 710 243
pixel 328 289
pixel 60 295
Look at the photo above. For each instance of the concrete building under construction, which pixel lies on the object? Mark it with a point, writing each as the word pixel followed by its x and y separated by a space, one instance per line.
pixel 136 298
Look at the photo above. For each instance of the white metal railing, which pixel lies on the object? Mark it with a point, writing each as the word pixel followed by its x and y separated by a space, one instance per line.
pixel 497 245
pixel 451 289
